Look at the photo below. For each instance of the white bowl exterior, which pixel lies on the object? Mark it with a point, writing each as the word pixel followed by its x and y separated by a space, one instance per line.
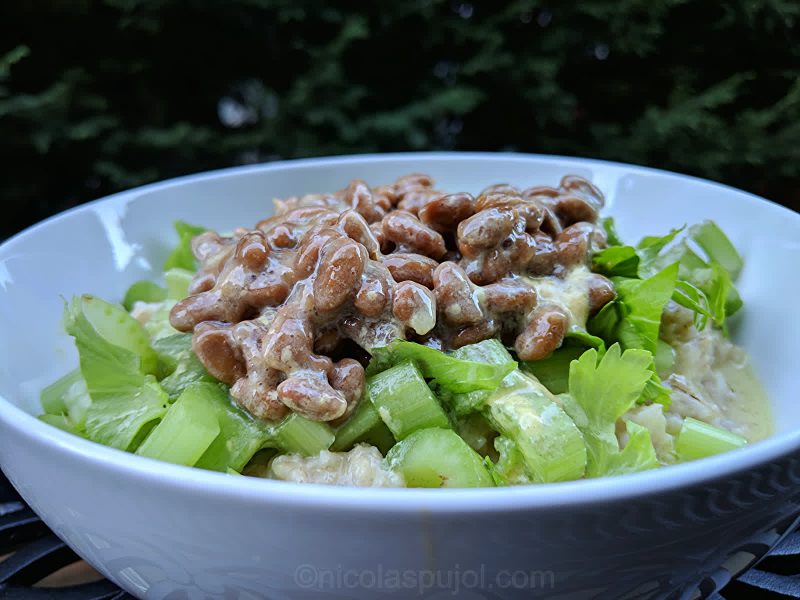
pixel 154 528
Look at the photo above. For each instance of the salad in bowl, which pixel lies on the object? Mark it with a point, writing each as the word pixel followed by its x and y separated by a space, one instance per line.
pixel 405 336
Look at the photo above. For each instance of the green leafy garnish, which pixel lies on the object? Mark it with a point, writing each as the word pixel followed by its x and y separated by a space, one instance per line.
pixel 717 247
pixel 181 256
pixel 116 361
pixel 641 302
pixel 704 286
pixel 604 391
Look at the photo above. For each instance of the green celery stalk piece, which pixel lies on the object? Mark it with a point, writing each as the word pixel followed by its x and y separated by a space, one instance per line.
pixel 299 435
pixel 717 246
pixel 181 256
pixel 62 422
pixel 437 458
pixel 143 291
pixel 697 439
pixel 448 371
pixel 551 445
pixel 177 281
pixel 76 401
pixel 186 431
pixel 52 397
pixel 404 401
pixel 364 425
pixel 523 410
pixel 510 466
pixel 490 352
pixel 241 436
pixel 121 419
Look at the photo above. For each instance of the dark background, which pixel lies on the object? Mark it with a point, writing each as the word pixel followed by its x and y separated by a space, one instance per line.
pixel 101 95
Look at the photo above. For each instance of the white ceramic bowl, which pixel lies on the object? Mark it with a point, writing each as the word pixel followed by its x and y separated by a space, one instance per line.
pixel 156 528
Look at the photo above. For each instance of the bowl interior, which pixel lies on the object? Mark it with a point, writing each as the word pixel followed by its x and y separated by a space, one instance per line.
pixel 103 247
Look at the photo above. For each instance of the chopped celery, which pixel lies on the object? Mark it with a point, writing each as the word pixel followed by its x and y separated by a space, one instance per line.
pixel 113 353
pixel 97 318
pixel 171 350
pixel 364 425
pixel 60 421
pixel 490 352
pixel 179 365
pixel 435 458
pixel 298 435
pixel 187 372
pixel 52 397
pixel 699 440
pixel 177 281
pixel 121 419
pixel 549 441
pixel 77 402
pixel 510 466
pixel 240 437
pixel 404 401
pixel 522 409
pixel 143 291
pixel 185 432
pixel 182 256
pixel 717 246
pixel 453 373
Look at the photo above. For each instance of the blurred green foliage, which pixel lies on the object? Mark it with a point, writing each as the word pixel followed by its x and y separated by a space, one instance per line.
pixel 100 95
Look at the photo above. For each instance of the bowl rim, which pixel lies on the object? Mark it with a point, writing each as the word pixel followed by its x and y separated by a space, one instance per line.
pixel 403 500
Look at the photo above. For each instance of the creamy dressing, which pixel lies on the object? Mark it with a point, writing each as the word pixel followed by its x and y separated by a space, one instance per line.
pixel 749 404
pixel 570 293
pixel 711 380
